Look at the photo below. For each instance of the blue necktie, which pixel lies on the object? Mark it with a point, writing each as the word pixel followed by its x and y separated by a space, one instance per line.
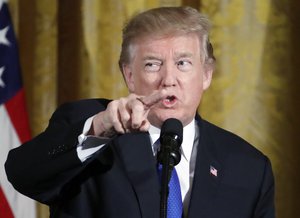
pixel 174 207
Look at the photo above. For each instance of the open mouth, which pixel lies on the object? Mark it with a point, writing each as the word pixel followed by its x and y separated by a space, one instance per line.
pixel 169 101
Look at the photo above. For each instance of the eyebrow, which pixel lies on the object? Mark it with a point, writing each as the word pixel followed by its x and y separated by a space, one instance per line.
pixel 177 56
pixel 152 57
pixel 183 55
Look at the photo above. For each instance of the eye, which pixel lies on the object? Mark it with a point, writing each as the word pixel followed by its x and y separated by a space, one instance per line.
pixel 153 66
pixel 184 65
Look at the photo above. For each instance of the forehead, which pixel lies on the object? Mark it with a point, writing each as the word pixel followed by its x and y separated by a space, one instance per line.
pixel 176 45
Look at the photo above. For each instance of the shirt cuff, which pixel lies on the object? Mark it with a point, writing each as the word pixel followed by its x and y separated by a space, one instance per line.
pixel 86 128
pixel 83 153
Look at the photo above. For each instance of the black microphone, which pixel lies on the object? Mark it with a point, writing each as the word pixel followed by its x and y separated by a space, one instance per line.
pixel 168 156
pixel 170 142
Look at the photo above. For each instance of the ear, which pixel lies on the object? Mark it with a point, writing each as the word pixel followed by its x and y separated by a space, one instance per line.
pixel 128 76
pixel 207 77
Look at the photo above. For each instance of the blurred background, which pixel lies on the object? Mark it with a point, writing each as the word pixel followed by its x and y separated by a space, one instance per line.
pixel 69 50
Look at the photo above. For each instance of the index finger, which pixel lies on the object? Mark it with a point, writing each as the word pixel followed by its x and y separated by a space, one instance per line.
pixel 152 99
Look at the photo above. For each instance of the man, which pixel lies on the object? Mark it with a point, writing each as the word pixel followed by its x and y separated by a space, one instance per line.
pixel 167 62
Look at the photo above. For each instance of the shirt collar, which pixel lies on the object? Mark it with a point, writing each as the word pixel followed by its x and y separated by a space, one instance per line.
pixel 187 143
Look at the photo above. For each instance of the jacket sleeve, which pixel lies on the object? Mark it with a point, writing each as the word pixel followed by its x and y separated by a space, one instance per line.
pixel 42 168
pixel 265 207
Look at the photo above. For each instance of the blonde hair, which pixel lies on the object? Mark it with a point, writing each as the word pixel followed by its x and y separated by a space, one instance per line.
pixel 167 21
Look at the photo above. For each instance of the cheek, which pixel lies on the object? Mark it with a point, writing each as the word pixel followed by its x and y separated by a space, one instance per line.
pixel 194 90
pixel 194 82
pixel 146 84
pixel 194 95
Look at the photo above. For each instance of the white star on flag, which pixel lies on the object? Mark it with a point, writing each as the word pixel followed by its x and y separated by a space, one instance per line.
pixel 3 39
pixel 2 84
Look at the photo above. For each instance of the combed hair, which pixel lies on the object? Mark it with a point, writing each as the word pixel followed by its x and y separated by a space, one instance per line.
pixel 166 21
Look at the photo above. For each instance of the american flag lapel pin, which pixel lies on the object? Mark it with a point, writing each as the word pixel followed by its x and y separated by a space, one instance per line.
pixel 213 171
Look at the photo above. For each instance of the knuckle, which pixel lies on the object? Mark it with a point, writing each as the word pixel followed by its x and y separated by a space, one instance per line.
pixel 115 122
pixel 138 108
pixel 132 96
pixel 125 118
pixel 112 105
pixel 122 100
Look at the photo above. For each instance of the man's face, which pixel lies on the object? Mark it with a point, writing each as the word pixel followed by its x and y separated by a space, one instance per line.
pixel 170 63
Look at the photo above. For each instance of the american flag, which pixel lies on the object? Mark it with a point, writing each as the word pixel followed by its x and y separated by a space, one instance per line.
pixel 14 128
pixel 213 171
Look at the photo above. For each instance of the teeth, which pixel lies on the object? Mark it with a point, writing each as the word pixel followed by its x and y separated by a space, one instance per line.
pixel 170 98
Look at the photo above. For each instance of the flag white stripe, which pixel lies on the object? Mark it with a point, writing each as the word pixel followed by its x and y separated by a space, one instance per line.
pixel 22 206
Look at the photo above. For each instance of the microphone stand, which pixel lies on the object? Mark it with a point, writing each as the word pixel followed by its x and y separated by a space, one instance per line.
pixel 168 156
pixel 167 168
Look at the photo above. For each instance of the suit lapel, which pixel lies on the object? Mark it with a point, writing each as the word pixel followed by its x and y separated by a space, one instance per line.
pixel 207 176
pixel 136 154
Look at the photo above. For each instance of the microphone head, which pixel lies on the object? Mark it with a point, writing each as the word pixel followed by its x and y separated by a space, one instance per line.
pixel 172 126
pixel 170 139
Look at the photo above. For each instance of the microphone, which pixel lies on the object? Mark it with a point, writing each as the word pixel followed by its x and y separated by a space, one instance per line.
pixel 168 156
pixel 170 141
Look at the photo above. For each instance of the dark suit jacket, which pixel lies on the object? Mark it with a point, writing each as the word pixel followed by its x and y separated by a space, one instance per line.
pixel 121 180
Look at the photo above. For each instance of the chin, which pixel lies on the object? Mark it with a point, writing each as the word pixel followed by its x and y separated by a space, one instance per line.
pixel 158 119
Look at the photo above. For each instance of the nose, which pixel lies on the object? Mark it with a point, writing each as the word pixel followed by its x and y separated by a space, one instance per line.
pixel 169 77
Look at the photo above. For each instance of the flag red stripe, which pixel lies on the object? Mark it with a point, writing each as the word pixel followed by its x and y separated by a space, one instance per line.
pixel 5 210
pixel 18 115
